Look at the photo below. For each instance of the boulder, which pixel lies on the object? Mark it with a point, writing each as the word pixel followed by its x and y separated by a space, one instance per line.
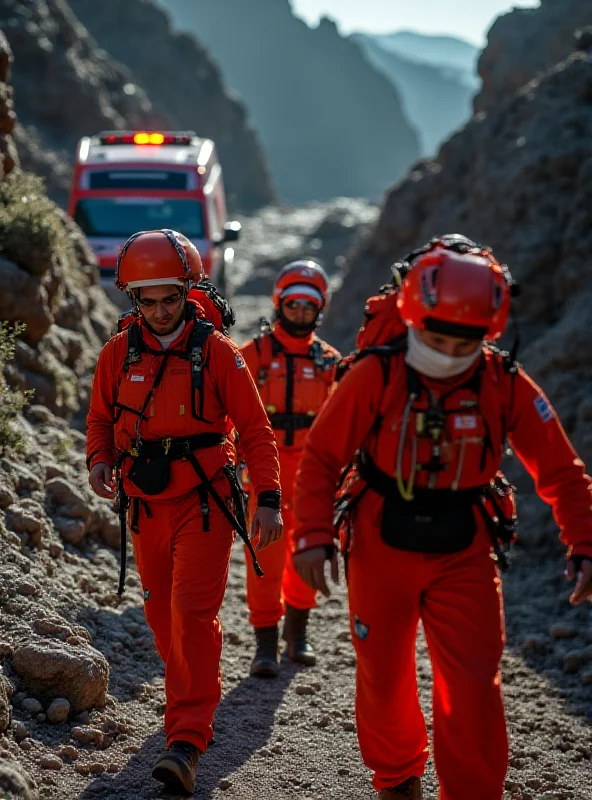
pixel 58 710
pixel 4 704
pixel 53 668
pixel 15 784
pixel 70 501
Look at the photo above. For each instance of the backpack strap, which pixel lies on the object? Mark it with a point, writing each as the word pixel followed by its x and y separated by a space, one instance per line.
pixel 202 330
pixel 510 367
pixel 267 347
pixel 384 351
pixel 135 346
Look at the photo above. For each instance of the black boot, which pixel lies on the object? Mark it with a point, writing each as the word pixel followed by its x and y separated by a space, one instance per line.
pixel 176 768
pixel 408 790
pixel 266 664
pixel 298 647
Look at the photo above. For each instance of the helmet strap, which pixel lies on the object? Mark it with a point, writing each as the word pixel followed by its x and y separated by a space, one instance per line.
pixel 516 333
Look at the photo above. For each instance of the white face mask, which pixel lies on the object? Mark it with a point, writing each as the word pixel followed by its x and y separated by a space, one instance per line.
pixel 434 364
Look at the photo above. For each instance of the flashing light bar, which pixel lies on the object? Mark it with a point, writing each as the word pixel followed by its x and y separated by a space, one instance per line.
pixel 153 138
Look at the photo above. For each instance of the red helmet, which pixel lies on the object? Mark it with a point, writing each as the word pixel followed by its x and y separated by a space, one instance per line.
pixel 460 293
pixel 302 279
pixel 156 258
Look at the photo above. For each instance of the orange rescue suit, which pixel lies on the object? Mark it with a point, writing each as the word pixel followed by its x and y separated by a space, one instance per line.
pixel 295 377
pixel 456 596
pixel 182 559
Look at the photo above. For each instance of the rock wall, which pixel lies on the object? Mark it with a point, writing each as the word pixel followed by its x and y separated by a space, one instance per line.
pixel 524 43
pixel 64 86
pixel 8 154
pixel 49 282
pixel 57 564
pixel 331 125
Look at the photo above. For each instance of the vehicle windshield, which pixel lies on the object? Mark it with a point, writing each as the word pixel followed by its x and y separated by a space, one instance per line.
pixel 122 216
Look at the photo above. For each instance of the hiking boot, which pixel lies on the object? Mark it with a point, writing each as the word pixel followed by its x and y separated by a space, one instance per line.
pixel 176 768
pixel 298 648
pixel 408 790
pixel 266 664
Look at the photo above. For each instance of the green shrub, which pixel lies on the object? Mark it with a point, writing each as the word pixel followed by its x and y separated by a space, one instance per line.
pixel 32 233
pixel 11 401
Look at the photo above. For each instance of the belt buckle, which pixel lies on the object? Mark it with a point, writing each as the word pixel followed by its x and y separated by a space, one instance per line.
pixel 167 445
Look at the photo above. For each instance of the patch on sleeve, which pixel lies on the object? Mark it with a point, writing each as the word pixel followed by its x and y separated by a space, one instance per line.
pixel 465 422
pixel 239 361
pixel 544 409
pixel 360 629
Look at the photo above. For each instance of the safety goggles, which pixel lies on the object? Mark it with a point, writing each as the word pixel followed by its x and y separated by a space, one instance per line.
pixel 296 303
pixel 170 301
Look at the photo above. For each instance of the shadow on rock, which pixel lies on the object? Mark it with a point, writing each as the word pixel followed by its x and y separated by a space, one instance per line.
pixel 244 722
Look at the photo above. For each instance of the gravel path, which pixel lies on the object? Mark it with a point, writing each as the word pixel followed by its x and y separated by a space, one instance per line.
pixel 295 737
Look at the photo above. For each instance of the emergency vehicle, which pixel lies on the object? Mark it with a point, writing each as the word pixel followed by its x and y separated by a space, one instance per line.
pixel 128 181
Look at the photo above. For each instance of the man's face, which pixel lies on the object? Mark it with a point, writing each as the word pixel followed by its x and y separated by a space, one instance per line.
pixel 300 312
pixel 162 307
pixel 449 345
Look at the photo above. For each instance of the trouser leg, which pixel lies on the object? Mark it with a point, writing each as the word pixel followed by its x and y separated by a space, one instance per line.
pixel 463 621
pixel 264 594
pixel 295 591
pixel 200 572
pixel 384 597
pixel 154 561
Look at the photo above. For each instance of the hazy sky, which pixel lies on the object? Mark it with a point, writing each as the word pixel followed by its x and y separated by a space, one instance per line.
pixel 469 19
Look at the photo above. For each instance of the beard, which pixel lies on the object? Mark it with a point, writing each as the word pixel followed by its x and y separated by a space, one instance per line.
pixel 298 329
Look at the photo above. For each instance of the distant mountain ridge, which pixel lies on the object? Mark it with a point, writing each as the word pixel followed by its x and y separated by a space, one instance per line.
pixel 439 51
pixel 435 76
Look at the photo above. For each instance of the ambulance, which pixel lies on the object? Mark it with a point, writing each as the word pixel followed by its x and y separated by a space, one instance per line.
pixel 129 181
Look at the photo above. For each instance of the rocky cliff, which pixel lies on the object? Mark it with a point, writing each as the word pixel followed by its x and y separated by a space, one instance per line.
pixel 331 124
pixel 8 154
pixel 524 43
pixel 67 87
pixel 184 83
pixel 48 281
pixel 64 87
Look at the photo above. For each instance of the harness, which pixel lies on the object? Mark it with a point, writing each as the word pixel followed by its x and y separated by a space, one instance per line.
pixel 202 330
pixel 488 499
pixel 152 458
pixel 268 348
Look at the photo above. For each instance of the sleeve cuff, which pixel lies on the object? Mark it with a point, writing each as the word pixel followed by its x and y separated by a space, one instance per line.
pixel 310 540
pixel 100 457
pixel 270 499
pixel 580 551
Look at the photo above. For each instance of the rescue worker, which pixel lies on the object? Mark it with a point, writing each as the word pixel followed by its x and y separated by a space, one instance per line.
pixel 295 371
pixel 166 395
pixel 427 425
